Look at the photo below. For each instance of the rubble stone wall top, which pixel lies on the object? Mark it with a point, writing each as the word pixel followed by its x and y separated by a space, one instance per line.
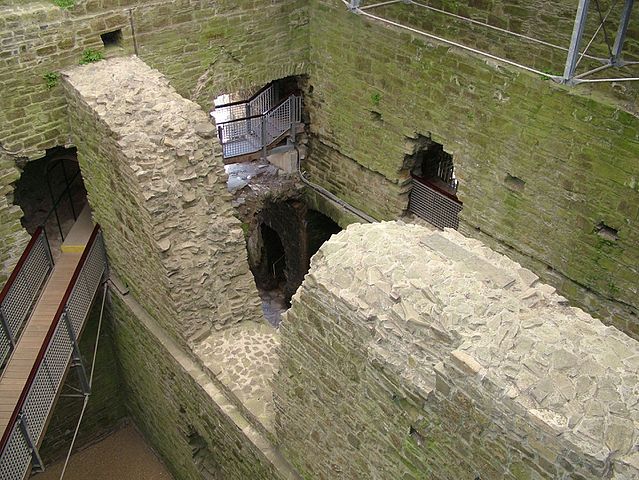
pixel 451 360
pixel 156 183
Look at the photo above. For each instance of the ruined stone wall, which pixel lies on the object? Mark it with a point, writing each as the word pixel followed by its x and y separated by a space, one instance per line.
pixel 198 433
pixel 373 88
pixel 156 183
pixel 419 355
pixel 244 43
pixel 13 238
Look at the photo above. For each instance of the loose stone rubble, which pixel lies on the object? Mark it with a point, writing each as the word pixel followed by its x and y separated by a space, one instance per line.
pixel 416 354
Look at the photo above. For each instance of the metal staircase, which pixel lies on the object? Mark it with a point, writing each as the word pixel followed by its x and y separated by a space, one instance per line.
pixel 258 123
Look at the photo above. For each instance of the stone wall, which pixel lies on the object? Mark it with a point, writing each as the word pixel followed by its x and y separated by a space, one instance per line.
pixel 13 238
pixel 419 355
pixel 156 183
pixel 196 430
pixel 372 89
pixel 204 49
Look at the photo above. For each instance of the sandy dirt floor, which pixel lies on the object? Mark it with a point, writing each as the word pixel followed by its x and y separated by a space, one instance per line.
pixel 123 455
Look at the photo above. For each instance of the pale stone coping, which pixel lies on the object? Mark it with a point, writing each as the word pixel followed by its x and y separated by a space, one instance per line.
pixel 201 377
pixel 168 148
pixel 244 359
pixel 434 299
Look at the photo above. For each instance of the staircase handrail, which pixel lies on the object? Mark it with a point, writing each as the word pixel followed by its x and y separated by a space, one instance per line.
pixel 248 100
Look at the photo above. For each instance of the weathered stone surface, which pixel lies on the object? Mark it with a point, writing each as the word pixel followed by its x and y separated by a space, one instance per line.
pixel 186 417
pixel 158 189
pixel 13 238
pixel 372 89
pixel 397 337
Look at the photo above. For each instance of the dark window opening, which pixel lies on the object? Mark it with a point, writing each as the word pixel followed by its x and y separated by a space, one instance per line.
pixel 112 39
pixel 51 193
pixel 433 196
pixel 606 232
pixel 434 165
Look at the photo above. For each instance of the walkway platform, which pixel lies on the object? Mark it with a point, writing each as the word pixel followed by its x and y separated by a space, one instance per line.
pixel 34 373
pixel 24 357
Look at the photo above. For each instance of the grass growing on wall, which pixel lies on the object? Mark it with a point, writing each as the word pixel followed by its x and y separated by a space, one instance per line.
pixel 90 56
pixel 64 3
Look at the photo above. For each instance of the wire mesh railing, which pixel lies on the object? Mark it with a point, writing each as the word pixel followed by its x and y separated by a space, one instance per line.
pixel 261 102
pixel 19 294
pixel 434 205
pixel 252 134
pixel 24 432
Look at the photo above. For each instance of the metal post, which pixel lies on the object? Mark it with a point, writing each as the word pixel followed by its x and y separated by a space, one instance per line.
pixel 263 121
pixel 47 246
pixel 38 464
pixel 55 206
pixel 354 5
pixel 76 359
pixel 621 33
pixel 7 330
pixel 68 188
pixel 577 34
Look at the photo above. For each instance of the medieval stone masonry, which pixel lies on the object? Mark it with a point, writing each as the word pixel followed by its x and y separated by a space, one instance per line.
pixel 504 350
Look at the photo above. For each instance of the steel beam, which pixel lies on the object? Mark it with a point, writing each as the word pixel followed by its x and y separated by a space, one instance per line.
pixel 621 33
pixel 76 358
pixel 38 464
pixel 577 34
pixel 7 331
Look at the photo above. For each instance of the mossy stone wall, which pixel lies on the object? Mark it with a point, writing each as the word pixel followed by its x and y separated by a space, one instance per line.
pixel 372 89
pixel 193 433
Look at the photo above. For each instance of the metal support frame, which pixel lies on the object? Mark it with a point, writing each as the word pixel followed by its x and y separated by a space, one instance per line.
pixel 38 464
pixel 575 40
pixel 574 55
pixel 7 330
pixel 621 34
pixel 76 358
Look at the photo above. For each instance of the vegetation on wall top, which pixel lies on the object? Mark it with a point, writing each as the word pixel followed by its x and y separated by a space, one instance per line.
pixel 90 55
pixel 64 3
pixel 51 78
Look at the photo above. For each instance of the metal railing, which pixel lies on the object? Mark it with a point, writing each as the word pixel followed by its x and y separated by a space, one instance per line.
pixel 434 204
pixel 22 289
pixel 255 133
pixel 261 102
pixel 24 432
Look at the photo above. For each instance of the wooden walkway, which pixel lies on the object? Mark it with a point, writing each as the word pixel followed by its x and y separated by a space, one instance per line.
pixel 16 373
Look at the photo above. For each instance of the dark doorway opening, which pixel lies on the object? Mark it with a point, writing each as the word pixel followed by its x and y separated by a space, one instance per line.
pixel 275 259
pixel 282 238
pixel 51 193
pixel 319 229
